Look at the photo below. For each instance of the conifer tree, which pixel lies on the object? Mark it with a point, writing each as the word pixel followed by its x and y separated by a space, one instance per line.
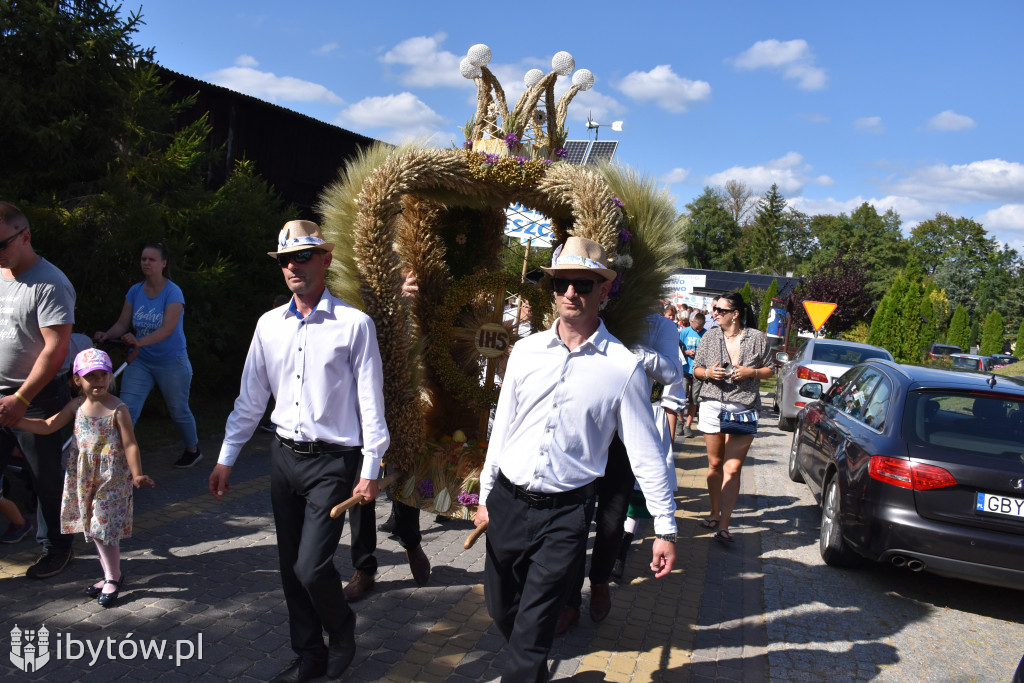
pixel 766 305
pixel 908 323
pixel 879 321
pixel 927 335
pixel 992 334
pixel 1019 349
pixel 745 293
pixel 959 333
pixel 975 333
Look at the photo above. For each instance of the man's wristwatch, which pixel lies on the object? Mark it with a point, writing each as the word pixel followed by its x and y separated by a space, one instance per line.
pixel 671 538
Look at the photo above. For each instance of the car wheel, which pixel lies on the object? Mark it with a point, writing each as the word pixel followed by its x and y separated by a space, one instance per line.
pixel 787 424
pixel 794 472
pixel 831 545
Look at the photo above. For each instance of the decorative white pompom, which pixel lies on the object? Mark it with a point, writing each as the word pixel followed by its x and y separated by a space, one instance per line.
pixel 469 70
pixel 583 79
pixel 533 77
pixel 479 55
pixel 563 63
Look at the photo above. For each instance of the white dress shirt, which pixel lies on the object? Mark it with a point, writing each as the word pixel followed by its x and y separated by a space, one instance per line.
pixel 325 372
pixel 659 354
pixel 558 411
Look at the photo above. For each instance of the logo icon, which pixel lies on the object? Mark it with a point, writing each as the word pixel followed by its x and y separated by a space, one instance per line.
pixel 30 650
pixel 1018 484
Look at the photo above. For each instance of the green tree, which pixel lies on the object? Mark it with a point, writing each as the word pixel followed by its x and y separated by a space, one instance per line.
pixel 907 332
pixel 797 243
pixel 766 305
pixel 875 240
pixel 927 312
pixel 1019 348
pixel 944 238
pixel 880 322
pixel 975 332
pixel 710 233
pixel 67 79
pixel 959 333
pixel 745 293
pixel 761 239
pixel 992 334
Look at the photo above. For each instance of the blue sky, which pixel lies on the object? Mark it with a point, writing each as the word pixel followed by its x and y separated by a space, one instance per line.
pixel 915 106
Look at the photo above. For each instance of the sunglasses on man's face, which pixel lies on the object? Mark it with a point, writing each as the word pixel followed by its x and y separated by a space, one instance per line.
pixel 581 286
pixel 718 310
pixel 6 242
pixel 297 256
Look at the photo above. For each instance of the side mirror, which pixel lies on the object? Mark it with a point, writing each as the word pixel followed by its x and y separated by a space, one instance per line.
pixel 811 390
pixel 782 357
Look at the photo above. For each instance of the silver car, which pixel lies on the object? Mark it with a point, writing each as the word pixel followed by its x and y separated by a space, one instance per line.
pixel 818 360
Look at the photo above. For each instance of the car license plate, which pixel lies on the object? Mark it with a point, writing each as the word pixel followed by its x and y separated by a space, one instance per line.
pixel 1000 505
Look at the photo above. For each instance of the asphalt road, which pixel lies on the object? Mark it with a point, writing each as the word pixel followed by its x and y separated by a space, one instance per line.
pixel 874 622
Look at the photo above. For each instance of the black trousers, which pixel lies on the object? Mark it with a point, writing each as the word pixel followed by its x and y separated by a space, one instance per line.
pixel 529 553
pixel 42 455
pixel 303 489
pixel 613 492
pixel 363 524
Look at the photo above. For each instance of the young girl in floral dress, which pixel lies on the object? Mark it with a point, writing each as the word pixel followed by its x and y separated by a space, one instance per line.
pixel 98 483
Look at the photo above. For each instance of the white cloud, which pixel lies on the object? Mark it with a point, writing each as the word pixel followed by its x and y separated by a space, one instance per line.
pixel 675 176
pixel 869 124
pixel 789 172
pixel 428 65
pixel 244 78
pixel 794 58
pixel 670 91
pixel 402 118
pixel 1006 217
pixel 911 211
pixel 950 120
pixel 603 108
pixel 988 180
pixel 326 49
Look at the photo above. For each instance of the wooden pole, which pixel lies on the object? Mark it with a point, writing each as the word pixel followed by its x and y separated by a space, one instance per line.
pixel 357 499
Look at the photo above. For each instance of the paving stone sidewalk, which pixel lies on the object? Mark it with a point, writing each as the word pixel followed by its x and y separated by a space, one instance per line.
pixel 203 574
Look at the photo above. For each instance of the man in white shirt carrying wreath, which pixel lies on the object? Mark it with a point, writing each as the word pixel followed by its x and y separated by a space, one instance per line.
pixel 319 358
pixel 567 390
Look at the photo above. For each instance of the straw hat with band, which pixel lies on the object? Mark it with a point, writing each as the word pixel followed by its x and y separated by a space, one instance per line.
pixel 299 236
pixel 579 253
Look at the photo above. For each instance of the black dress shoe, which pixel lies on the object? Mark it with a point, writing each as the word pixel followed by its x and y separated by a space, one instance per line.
pixel 301 670
pixel 419 564
pixel 341 649
pixel 389 524
pixel 110 599
pixel 91 591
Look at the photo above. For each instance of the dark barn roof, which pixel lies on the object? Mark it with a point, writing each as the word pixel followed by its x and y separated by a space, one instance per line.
pixel 723 281
pixel 295 153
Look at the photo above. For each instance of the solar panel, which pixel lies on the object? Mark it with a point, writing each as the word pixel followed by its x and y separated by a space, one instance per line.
pixel 601 151
pixel 577 150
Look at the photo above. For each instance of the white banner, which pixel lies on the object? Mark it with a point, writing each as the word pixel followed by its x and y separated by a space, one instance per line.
pixel 681 290
pixel 527 224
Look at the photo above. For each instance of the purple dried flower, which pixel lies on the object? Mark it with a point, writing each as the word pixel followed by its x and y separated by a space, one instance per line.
pixel 618 202
pixel 511 140
pixel 468 144
pixel 561 153
pixel 625 236
pixel 546 162
pixel 492 158
pixel 426 488
pixel 520 160
pixel 469 498
pixel 616 286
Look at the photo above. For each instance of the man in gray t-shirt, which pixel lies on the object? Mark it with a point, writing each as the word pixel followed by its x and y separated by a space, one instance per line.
pixel 37 309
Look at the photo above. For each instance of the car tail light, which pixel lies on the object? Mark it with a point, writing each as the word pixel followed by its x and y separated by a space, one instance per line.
pixel 908 475
pixel 807 373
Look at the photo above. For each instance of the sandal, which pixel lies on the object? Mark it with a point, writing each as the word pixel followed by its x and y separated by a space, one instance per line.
pixel 724 535
pixel 709 523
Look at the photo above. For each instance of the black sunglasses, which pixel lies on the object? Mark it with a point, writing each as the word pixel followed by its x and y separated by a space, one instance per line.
pixel 581 286
pixel 716 309
pixel 297 256
pixel 4 243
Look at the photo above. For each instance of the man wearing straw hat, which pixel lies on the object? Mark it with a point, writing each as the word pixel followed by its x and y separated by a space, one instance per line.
pixel 567 391
pixel 318 356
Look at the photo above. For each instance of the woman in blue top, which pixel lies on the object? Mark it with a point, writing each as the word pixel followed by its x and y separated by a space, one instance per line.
pixel 154 308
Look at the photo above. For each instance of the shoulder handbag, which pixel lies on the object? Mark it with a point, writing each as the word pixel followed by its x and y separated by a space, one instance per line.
pixel 735 421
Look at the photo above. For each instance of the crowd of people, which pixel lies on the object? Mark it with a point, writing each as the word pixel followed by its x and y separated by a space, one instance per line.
pixel 583 433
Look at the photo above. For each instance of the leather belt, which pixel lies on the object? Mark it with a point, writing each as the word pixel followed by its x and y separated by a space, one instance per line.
pixel 314 447
pixel 541 501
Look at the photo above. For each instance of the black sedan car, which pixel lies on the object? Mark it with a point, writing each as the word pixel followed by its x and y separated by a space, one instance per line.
pixel 919 467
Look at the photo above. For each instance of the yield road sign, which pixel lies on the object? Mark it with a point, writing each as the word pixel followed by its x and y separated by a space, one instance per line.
pixel 818 312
